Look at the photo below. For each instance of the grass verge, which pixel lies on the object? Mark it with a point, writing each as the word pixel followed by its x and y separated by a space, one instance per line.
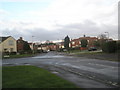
pixel 32 77
pixel 19 56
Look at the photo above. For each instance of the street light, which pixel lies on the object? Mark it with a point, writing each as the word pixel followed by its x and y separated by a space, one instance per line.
pixel 32 44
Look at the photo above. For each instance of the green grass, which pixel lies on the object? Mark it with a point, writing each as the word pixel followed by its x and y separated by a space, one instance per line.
pixel 32 77
pixel 18 56
pixel 77 52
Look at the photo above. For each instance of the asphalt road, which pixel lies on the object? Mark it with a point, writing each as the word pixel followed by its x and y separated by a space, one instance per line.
pixel 84 72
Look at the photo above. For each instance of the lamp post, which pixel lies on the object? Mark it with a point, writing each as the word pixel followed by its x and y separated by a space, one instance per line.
pixel 32 44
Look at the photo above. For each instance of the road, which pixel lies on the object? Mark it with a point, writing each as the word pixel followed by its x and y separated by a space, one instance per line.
pixel 84 72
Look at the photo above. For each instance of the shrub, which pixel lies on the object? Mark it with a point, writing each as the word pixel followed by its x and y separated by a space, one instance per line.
pixel 12 53
pixel 109 47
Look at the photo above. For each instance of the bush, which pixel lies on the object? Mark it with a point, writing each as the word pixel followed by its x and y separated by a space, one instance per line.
pixel 109 47
pixel 118 47
pixel 12 53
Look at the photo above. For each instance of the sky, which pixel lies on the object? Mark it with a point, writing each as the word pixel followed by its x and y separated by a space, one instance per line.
pixel 55 19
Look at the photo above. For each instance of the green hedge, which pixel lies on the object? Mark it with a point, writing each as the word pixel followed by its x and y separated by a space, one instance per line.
pixel 109 47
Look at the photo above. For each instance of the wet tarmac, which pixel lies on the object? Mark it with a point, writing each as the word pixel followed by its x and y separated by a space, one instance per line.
pixel 84 72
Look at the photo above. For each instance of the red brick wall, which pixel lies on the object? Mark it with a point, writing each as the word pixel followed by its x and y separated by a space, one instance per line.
pixel 20 45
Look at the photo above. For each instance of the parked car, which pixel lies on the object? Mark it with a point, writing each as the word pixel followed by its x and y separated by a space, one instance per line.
pixel 45 51
pixel 92 49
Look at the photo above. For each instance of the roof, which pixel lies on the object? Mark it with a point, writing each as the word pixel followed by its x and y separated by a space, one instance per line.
pixel 88 38
pixel 75 39
pixel 3 38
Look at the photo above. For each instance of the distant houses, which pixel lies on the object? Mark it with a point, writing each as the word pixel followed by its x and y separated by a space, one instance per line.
pixel 48 47
pixel 11 45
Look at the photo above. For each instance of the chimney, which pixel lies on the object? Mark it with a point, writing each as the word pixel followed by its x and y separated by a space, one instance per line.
pixel 84 36
pixel 21 38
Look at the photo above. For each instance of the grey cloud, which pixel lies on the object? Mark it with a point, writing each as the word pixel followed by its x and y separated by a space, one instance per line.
pixel 75 30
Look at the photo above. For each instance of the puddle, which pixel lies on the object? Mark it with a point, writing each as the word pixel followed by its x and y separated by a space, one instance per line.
pixel 48 57
pixel 55 72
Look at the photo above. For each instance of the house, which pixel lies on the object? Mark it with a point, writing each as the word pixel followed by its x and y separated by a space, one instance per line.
pixel 61 45
pixel 23 46
pixel 43 47
pixel 8 44
pixel 52 47
pixel 20 45
pixel 90 40
pixel 76 43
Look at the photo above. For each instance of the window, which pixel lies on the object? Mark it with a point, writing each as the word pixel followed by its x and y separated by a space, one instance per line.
pixel 10 42
pixel 73 42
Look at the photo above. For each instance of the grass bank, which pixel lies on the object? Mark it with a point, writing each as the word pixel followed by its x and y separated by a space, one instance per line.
pixel 95 55
pixel 32 77
pixel 19 56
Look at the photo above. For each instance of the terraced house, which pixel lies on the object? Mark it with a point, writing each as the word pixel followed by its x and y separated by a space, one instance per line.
pixel 8 44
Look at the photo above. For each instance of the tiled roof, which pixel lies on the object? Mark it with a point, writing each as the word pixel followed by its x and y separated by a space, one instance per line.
pixel 3 38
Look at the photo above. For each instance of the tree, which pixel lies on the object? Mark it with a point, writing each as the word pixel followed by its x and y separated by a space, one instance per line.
pixel 84 43
pixel 26 47
pixel 66 42
pixel 102 39
pixel 109 47
pixel 102 36
pixel 96 43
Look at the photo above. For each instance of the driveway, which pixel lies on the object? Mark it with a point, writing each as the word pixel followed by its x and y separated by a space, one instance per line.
pixel 84 72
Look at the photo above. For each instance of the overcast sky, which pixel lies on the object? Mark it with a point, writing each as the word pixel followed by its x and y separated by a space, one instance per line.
pixel 54 19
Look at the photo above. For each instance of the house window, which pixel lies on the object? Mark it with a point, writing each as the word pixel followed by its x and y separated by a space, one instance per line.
pixel 10 42
pixel 73 42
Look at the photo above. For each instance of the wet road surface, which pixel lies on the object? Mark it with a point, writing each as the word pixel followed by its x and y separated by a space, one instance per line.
pixel 84 72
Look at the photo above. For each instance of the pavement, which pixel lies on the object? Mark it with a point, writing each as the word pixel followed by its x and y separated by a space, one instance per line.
pixel 84 72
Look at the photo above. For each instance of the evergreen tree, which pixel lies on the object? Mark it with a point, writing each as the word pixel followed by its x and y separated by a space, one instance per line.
pixel 26 46
pixel 96 44
pixel 66 42
pixel 84 43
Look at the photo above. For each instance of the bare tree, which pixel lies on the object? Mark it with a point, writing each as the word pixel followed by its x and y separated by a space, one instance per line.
pixel 102 36
pixel 102 39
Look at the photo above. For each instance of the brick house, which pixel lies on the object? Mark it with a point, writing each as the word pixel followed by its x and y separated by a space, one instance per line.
pixel 20 44
pixel 90 40
pixel 76 43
